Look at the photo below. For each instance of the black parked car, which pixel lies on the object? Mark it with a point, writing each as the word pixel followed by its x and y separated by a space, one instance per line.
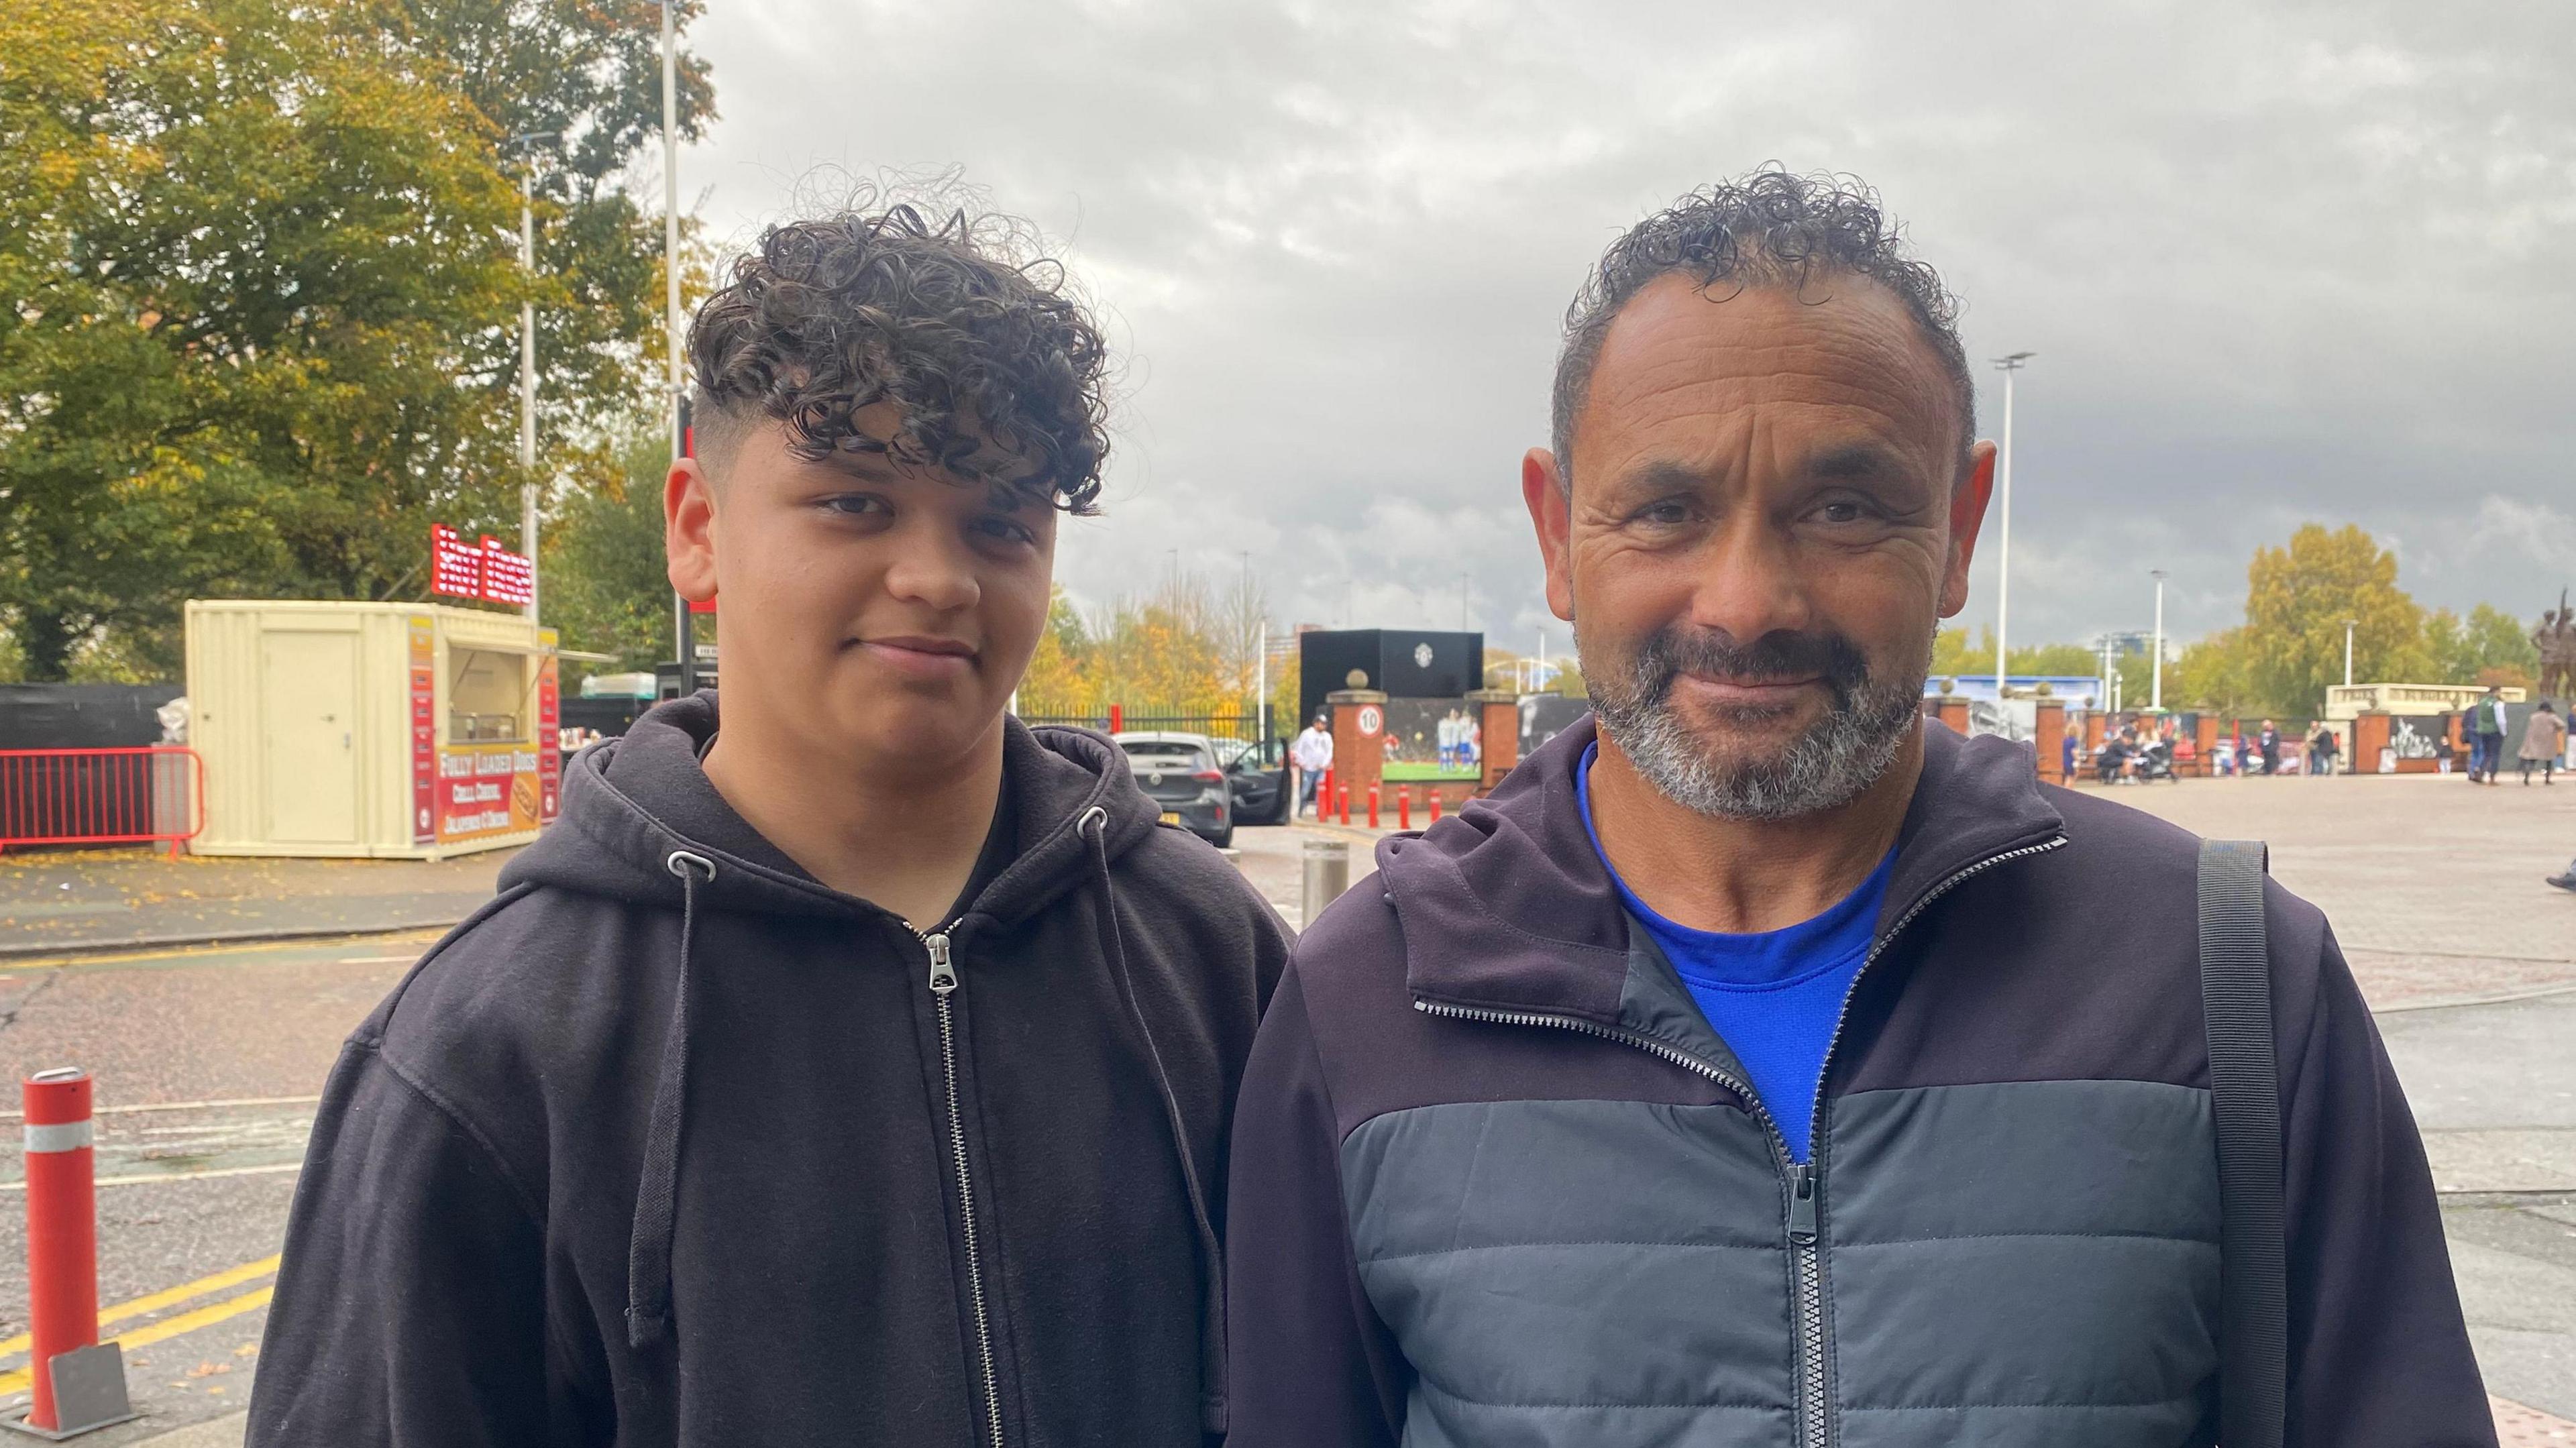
pixel 1179 773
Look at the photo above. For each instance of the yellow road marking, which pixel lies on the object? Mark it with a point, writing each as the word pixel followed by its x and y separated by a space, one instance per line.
pixel 22 1379
pixel 172 1297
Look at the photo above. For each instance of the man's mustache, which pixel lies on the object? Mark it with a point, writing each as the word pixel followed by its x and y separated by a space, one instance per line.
pixel 1677 649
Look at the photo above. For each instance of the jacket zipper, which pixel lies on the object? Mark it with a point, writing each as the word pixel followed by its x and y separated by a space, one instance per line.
pixel 943 984
pixel 1805 1179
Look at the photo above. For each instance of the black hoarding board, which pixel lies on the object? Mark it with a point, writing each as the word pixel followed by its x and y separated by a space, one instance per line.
pixel 1401 663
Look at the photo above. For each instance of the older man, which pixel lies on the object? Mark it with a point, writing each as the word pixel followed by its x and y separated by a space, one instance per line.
pixel 1765 1067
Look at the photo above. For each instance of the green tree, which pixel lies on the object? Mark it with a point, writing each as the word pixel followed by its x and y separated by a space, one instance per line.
pixel 601 580
pixel 2489 647
pixel 260 265
pixel 2297 599
pixel 1957 655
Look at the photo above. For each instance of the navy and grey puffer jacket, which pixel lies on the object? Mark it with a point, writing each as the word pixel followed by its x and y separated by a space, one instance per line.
pixel 1495 1181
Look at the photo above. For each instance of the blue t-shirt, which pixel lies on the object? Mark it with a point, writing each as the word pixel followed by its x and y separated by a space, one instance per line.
pixel 1773 997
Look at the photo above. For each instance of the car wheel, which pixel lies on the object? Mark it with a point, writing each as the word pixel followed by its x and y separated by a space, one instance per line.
pixel 1224 838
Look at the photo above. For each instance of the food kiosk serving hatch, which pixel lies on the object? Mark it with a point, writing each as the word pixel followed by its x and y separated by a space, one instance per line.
pixel 397 730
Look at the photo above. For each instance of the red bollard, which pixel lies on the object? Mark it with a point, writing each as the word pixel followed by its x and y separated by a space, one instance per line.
pixel 1404 808
pixel 1435 806
pixel 1372 806
pixel 62 1232
pixel 1345 799
pixel 1117 719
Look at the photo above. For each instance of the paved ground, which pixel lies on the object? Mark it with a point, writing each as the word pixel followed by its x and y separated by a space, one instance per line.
pixel 2433 885
pixel 61 899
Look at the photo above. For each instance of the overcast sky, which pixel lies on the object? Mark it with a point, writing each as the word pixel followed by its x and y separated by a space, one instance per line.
pixel 2279 263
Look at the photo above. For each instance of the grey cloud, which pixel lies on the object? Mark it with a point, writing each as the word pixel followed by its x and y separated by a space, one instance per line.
pixel 2280 263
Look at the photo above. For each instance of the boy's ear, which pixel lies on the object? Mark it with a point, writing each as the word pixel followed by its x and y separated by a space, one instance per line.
pixel 689 530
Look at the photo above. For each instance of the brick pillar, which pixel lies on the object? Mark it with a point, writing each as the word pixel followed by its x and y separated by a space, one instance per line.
pixel 1359 753
pixel 2204 738
pixel 2097 727
pixel 1954 712
pixel 2049 737
pixel 2371 733
pixel 1498 713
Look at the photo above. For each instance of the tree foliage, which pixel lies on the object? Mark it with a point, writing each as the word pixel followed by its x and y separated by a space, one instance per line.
pixel 2297 600
pixel 262 284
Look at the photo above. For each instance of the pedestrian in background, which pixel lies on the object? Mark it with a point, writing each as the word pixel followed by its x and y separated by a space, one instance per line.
pixel 2544 742
pixel 2267 743
pixel 1312 755
pixel 2321 751
pixel 2486 726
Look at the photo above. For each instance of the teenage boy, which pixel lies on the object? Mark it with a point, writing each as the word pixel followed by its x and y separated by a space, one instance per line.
pixel 855 1072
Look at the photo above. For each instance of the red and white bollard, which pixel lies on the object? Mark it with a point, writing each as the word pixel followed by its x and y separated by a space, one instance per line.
pixel 1435 804
pixel 1372 806
pixel 1345 802
pixel 1404 807
pixel 79 1384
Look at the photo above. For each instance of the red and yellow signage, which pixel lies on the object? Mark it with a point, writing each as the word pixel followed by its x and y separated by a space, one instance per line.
pixel 488 789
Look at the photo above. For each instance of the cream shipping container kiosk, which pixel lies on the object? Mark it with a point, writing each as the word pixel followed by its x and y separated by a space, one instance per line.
pixel 402 730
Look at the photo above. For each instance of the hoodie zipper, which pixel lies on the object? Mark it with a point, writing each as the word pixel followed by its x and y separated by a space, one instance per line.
pixel 943 984
pixel 1805 1179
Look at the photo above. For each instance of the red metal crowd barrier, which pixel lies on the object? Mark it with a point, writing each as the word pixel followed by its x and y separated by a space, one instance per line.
pixel 101 796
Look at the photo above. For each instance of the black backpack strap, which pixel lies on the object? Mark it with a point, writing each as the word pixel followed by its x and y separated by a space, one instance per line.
pixel 2245 1102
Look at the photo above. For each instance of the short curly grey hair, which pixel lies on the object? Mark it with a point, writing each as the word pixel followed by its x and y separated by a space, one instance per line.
pixel 1771 228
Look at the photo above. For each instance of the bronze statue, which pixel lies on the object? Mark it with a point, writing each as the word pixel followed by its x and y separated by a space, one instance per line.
pixel 2556 640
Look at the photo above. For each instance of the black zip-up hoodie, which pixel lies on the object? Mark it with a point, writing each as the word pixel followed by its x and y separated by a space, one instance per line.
pixel 1497 1182
pixel 672 1145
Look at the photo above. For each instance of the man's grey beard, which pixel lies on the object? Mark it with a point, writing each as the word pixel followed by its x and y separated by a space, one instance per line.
pixel 1828 765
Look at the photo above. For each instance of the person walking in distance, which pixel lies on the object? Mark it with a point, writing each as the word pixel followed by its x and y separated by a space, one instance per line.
pixel 1757 1065
pixel 2486 728
pixel 2267 743
pixel 2544 742
pixel 849 1064
pixel 2321 751
pixel 1313 755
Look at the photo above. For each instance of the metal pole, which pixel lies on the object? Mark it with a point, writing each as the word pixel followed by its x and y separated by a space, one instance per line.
pixel 1327 875
pixel 528 376
pixel 2156 690
pixel 683 648
pixel 1261 666
pixel 2347 651
pixel 2003 487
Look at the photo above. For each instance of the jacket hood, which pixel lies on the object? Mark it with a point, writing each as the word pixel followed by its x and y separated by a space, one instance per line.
pixel 632 803
pixel 1505 905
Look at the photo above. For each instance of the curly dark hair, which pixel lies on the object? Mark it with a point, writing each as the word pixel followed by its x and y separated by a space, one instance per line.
pixel 998 371
pixel 1771 228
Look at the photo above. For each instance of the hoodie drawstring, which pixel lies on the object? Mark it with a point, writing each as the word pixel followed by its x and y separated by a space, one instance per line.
pixel 1094 825
pixel 648 1250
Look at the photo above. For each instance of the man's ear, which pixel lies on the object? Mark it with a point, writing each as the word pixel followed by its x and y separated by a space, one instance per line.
pixel 1551 510
pixel 1967 514
pixel 689 530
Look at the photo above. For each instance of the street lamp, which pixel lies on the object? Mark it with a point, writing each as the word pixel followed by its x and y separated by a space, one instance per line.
pixel 2347 651
pixel 2003 486
pixel 683 646
pixel 527 141
pixel 2156 688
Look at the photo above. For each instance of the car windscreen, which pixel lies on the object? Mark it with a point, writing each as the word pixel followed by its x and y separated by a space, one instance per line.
pixel 1165 757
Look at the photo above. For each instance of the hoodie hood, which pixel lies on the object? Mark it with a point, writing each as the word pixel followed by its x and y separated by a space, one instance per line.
pixel 1506 905
pixel 631 804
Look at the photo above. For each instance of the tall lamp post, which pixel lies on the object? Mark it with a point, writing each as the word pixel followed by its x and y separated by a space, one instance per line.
pixel 526 142
pixel 2156 680
pixel 2003 486
pixel 2347 651
pixel 683 646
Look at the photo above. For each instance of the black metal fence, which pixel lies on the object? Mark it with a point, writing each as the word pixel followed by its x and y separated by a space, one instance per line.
pixel 1251 726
